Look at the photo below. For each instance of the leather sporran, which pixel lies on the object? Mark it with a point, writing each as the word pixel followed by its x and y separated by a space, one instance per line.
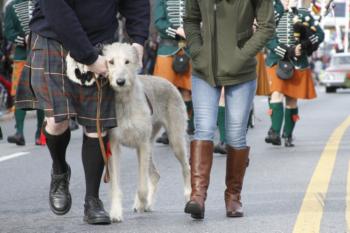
pixel 181 63
pixel 285 70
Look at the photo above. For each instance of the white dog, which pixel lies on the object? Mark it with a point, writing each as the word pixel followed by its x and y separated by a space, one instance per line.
pixel 144 105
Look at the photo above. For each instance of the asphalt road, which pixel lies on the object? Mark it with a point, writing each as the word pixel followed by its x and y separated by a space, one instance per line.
pixel 301 189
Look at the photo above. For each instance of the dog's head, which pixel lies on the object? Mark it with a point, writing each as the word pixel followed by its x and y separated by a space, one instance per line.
pixel 123 65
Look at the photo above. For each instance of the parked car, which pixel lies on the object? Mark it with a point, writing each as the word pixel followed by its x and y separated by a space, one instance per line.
pixel 337 75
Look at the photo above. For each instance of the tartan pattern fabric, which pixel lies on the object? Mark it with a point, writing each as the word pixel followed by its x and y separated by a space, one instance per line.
pixel 44 85
pixel 16 74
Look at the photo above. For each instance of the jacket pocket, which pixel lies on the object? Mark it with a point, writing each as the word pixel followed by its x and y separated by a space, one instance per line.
pixel 243 37
pixel 200 60
pixel 234 62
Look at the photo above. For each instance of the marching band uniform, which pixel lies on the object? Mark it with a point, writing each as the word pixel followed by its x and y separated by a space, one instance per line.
pixel 168 18
pixel 17 15
pixel 294 26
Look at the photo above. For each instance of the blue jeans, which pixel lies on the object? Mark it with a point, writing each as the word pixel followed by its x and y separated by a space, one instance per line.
pixel 238 103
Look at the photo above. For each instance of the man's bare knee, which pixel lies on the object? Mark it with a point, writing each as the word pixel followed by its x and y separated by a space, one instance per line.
pixel 291 102
pixel 276 97
pixel 94 135
pixel 54 128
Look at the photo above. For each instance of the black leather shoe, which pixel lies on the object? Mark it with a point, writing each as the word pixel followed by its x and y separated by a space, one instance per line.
pixel 220 148
pixel 60 198
pixel 16 138
pixel 273 137
pixel 94 213
pixel 288 142
pixel 163 139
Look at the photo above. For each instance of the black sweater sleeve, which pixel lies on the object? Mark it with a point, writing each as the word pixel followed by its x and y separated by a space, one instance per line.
pixel 137 15
pixel 64 22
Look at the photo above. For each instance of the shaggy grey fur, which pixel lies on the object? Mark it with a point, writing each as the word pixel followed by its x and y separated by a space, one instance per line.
pixel 138 126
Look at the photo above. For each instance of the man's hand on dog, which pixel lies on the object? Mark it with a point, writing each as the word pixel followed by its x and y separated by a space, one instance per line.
pixel 99 66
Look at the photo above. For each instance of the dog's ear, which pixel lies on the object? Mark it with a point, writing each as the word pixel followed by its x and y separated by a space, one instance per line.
pixel 135 58
pixel 135 55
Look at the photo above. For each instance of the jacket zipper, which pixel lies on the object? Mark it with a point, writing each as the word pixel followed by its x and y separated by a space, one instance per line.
pixel 215 46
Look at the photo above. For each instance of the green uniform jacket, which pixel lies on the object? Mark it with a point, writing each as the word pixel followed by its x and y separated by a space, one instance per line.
pixel 276 46
pixel 168 17
pixel 16 25
pixel 223 50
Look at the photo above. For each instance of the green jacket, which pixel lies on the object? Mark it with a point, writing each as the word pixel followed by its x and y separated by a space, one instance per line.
pixel 17 25
pixel 284 37
pixel 223 50
pixel 168 17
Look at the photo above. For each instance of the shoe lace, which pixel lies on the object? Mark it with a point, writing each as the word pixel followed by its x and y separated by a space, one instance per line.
pixel 60 184
pixel 95 203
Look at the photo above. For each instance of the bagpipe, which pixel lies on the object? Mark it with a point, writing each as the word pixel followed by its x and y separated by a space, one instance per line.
pixel 305 25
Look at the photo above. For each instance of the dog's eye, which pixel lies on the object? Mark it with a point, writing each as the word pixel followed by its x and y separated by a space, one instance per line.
pixel 127 62
pixel 111 62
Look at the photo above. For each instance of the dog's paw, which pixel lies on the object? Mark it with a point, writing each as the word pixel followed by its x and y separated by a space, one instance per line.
pixel 116 215
pixel 140 206
pixel 148 208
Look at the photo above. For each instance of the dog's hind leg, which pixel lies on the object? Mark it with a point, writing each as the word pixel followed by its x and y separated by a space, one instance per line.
pixel 141 200
pixel 178 143
pixel 116 212
pixel 153 179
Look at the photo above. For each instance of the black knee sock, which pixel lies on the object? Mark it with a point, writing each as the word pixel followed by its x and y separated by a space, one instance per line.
pixel 57 145
pixel 93 164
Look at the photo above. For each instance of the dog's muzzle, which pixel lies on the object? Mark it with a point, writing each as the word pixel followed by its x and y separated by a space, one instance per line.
pixel 120 82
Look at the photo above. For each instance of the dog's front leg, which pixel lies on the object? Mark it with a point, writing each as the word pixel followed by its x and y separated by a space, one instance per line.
pixel 141 201
pixel 116 212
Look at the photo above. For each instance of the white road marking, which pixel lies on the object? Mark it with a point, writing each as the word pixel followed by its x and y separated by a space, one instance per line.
pixel 12 156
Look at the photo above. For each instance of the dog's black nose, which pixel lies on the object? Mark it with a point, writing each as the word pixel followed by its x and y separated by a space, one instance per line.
pixel 121 81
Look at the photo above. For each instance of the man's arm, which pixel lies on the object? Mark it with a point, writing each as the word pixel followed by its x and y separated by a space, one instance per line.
pixel 137 15
pixel 64 22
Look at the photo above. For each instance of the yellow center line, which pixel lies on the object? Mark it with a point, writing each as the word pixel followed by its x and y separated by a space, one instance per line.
pixel 311 211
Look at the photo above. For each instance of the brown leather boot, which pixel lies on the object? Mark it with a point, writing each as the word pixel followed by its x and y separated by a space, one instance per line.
pixel 200 161
pixel 236 163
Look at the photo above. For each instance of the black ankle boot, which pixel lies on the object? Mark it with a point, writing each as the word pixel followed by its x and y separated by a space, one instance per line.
pixel 288 141
pixel 17 138
pixel 60 198
pixel 163 139
pixel 273 137
pixel 94 213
